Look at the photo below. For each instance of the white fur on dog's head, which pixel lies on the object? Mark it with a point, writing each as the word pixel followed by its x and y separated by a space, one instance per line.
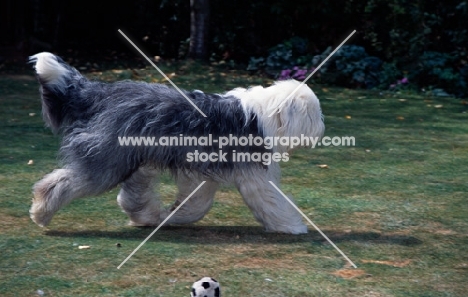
pixel 294 109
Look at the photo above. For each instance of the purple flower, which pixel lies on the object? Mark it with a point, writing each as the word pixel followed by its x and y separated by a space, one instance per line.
pixel 295 72
pixel 300 74
pixel 404 80
pixel 285 74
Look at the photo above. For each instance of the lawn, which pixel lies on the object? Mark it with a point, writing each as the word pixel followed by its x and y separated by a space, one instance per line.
pixel 396 204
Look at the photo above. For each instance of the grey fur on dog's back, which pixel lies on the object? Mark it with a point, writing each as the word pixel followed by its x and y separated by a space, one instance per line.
pixel 91 116
pixel 140 109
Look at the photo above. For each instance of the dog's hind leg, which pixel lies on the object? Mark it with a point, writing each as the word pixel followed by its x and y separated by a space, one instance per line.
pixel 138 199
pixel 197 206
pixel 56 190
pixel 268 206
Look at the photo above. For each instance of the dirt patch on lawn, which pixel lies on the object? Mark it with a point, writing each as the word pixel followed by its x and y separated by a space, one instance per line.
pixel 350 273
pixel 258 263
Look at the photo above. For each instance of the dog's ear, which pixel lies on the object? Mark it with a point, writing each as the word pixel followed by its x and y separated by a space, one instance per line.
pixel 284 117
pixel 300 116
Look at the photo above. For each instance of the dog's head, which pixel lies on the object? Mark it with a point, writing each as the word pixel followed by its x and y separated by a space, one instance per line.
pixel 285 109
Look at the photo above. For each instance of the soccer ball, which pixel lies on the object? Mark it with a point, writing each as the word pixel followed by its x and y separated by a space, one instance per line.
pixel 206 287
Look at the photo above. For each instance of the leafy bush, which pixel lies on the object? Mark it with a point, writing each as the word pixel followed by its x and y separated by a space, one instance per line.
pixel 389 74
pixel 426 40
pixel 441 71
pixel 286 55
pixel 354 67
pixel 350 66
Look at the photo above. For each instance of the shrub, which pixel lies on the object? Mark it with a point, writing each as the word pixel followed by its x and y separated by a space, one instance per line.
pixel 284 56
pixel 350 66
pixel 443 72
pixel 354 67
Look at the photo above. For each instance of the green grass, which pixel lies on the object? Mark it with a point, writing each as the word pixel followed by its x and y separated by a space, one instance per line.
pixel 396 204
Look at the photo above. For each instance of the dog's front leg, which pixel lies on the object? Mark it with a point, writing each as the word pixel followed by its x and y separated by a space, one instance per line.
pixel 267 205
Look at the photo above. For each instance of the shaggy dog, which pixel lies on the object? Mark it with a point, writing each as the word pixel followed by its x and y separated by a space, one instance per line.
pixel 92 116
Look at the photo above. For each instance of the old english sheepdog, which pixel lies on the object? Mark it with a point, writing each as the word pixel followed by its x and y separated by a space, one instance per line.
pixel 92 117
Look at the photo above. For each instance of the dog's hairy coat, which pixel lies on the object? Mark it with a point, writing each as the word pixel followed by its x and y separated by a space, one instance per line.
pixel 91 115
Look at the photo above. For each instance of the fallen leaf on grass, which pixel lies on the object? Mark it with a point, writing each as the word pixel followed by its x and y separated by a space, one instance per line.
pixel 445 232
pixel 348 117
pixel 349 273
pixel 171 75
pixel 400 118
pixel 30 162
pixel 322 166
pixel 389 263
pixel 438 106
pixel 402 100
pixel 84 247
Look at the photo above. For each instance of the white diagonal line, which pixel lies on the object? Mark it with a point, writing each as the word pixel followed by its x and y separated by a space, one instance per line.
pixel 312 223
pixel 162 73
pixel 313 72
pixel 160 225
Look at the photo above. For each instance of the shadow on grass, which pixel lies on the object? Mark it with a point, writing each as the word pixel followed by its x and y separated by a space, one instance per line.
pixel 238 234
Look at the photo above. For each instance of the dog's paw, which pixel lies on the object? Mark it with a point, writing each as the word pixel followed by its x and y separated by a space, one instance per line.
pixel 39 216
pixel 144 219
pixel 143 224
pixel 297 229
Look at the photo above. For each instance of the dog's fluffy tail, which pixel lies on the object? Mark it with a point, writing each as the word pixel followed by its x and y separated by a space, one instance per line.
pixel 57 79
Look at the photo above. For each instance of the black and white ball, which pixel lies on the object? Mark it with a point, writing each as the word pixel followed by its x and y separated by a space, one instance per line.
pixel 206 287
